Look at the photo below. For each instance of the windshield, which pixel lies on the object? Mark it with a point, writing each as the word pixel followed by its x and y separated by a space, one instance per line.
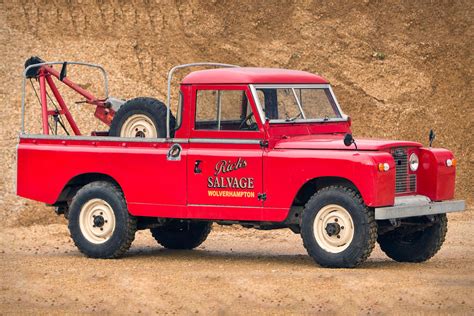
pixel 288 104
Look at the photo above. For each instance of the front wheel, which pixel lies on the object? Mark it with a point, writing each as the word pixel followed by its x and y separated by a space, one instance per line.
pixel 99 222
pixel 415 241
pixel 337 229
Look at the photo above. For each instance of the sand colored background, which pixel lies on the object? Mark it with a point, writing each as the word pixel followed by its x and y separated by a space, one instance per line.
pixel 398 69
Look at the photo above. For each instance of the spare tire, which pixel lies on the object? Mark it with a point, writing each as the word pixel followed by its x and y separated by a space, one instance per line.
pixel 141 117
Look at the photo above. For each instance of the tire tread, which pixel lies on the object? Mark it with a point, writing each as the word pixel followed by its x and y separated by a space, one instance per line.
pixel 131 221
pixel 367 212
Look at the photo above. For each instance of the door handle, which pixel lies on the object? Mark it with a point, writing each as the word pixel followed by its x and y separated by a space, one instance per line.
pixel 196 166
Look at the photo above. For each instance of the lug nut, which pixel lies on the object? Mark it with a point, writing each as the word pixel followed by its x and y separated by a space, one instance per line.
pixel 336 220
pixel 342 227
pixel 337 236
pixel 103 229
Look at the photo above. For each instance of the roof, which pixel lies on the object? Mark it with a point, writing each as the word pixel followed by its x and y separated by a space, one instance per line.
pixel 248 75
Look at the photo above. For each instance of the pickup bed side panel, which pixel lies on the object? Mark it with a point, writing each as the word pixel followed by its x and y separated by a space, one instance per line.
pixel 147 179
pixel 286 171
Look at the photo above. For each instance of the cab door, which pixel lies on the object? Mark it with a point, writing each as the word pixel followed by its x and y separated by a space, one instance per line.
pixel 225 156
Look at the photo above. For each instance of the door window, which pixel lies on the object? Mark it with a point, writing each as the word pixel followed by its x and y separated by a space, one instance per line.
pixel 224 110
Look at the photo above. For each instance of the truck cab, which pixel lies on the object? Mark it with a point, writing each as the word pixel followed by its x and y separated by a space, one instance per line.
pixel 260 147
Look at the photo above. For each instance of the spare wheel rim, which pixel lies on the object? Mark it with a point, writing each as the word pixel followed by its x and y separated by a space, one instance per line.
pixel 333 228
pixel 97 221
pixel 138 125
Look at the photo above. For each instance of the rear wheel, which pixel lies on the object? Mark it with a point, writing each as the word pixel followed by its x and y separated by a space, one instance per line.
pixel 337 229
pixel 415 242
pixel 182 234
pixel 141 117
pixel 99 222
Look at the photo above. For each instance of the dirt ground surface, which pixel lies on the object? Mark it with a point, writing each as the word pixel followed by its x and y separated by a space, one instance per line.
pixel 398 69
pixel 236 271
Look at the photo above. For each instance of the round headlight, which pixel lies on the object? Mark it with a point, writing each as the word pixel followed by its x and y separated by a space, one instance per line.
pixel 414 162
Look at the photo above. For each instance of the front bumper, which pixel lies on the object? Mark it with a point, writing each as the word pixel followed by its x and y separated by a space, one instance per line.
pixel 417 205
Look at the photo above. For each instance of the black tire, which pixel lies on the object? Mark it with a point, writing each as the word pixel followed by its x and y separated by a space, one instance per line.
pixel 121 237
pixel 415 246
pixel 152 108
pixel 355 250
pixel 182 234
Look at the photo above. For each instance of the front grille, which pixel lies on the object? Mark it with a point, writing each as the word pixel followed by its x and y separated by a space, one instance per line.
pixel 404 182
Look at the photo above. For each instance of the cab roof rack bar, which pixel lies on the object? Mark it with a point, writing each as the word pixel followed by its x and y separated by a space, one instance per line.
pixel 170 77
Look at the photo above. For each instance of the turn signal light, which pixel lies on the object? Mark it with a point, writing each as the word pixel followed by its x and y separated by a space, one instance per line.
pixel 451 162
pixel 384 167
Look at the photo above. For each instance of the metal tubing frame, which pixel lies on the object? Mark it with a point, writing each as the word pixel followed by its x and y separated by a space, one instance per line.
pixel 63 105
pixel 90 97
pixel 44 102
pixel 170 77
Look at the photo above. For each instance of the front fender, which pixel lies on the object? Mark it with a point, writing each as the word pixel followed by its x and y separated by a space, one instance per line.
pixel 286 171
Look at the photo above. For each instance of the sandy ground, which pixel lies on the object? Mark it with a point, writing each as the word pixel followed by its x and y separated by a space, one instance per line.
pixel 236 271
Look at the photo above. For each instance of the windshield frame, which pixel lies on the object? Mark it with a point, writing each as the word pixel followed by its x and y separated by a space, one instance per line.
pixel 254 87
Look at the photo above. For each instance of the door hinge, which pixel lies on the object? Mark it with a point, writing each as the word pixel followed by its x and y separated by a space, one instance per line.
pixel 264 143
pixel 262 196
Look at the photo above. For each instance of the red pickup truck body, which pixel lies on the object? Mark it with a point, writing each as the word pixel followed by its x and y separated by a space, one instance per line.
pixel 244 175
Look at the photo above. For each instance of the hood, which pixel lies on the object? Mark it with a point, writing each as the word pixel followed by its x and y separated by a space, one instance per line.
pixel 335 141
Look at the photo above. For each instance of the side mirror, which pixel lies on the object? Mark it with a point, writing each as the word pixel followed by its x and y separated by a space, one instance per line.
pixel 432 137
pixel 349 140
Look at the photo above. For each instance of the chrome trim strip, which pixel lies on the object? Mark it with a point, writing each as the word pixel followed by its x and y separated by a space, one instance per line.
pixel 224 141
pixel 253 90
pixel 23 85
pixel 219 109
pixel 144 140
pixel 280 121
pixel 170 77
pixel 291 85
pixel 418 207
pixel 105 138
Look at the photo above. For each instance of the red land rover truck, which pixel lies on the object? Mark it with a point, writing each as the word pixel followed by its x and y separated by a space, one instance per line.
pixel 262 148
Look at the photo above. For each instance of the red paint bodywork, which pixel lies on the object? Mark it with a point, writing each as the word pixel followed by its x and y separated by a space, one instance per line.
pixel 296 154
pixel 250 75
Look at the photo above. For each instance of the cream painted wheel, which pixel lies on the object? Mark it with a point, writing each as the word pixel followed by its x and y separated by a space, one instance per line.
pixel 333 228
pixel 97 221
pixel 138 125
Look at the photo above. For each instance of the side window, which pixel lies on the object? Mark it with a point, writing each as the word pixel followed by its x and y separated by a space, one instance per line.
pixel 223 110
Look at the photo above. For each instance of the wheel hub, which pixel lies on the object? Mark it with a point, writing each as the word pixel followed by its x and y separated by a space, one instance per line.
pixel 333 229
pixel 99 221
pixel 139 125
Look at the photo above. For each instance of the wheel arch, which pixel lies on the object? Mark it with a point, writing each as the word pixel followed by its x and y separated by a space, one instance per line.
pixel 78 181
pixel 312 186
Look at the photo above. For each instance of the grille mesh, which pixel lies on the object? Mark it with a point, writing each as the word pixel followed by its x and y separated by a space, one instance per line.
pixel 404 182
